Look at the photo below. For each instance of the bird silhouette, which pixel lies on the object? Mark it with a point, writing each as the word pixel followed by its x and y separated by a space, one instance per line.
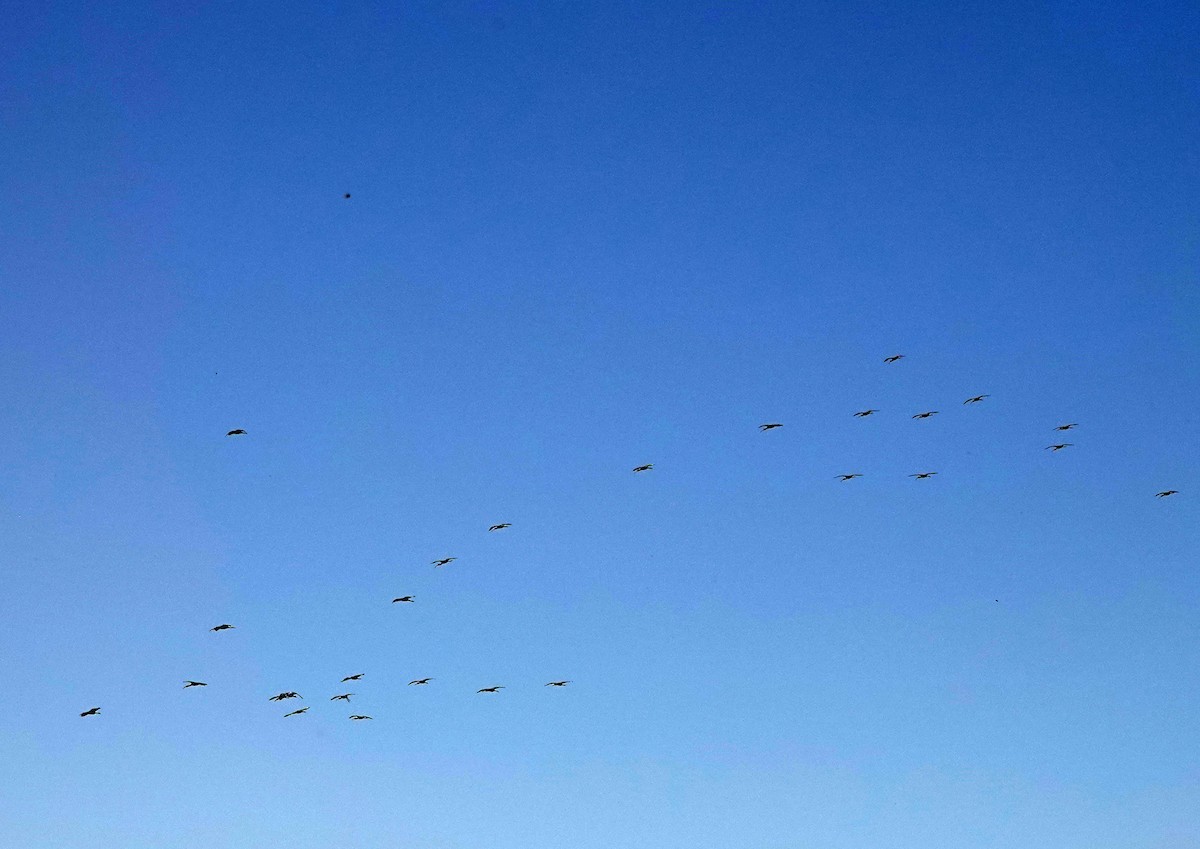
pixel 765 427
pixel 444 561
pixel 359 716
pixel 490 690
pixel 238 432
pixel 848 477
pixel 288 695
pixel 894 358
pixel 91 712
pixel 1069 426
pixel 922 475
pixel 187 684
pixel 405 598
pixel 644 468
pixel 1166 492
pixel 926 414
pixel 1059 447
pixel 223 628
pixel 346 196
pixel 500 526
pixel 558 683
pixel 295 712
pixel 353 677
pixel 976 399
pixel 345 697
pixel 862 414
pixel 419 682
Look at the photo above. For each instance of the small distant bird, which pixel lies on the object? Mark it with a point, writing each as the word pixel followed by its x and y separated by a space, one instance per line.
pixel 419 682
pixel 1166 492
pixel 345 697
pixel 500 526
pixel 926 414
pixel 644 468
pixel 91 712
pixel 408 599
pixel 894 358
pixel 187 684
pixel 346 196
pixel 490 690
pixel 862 414
pixel 357 677
pixel 976 399
pixel 223 628
pixel 238 432
pixel 1069 426
pixel 444 561
pixel 288 695
pixel 358 716
pixel 558 683
pixel 765 427
pixel 1059 447
pixel 922 475
pixel 295 712
pixel 848 477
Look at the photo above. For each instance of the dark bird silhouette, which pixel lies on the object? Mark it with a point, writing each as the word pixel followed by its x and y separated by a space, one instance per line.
pixel 490 690
pixel 500 526
pixel 894 358
pixel 288 695
pixel 357 677
pixel 444 561
pixel 848 477
pixel 187 684
pixel 408 599
pixel 238 432
pixel 91 712
pixel 976 399
pixel 345 697
pixel 419 682
pixel 922 475
pixel 644 468
pixel 1069 426
pixel 346 196
pixel 295 712
pixel 358 716
pixel 862 414
pixel 223 628
pixel 558 683
pixel 1166 492
pixel 765 427
pixel 926 414
pixel 1060 446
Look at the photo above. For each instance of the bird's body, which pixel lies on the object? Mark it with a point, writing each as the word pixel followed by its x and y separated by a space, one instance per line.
pixel 353 677
pixel 1069 426
pixel 976 399
pixel 407 599
pixel 344 697
pixel 187 684
pixel 1060 446
pixel 847 477
pixel 557 683
pixel 926 414
pixel 443 561
pixel 490 690
pixel 419 682
pixel 862 414
pixel 1166 492
pixel 644 468
pixel 922 475
pixel 223 628
pixel 765 427
pixel 500 526
pixel 894 358
pixel 238 432
pixel 91 712
pixel 295 712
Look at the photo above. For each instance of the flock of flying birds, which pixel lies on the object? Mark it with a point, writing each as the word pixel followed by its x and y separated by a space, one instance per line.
pixel 408 599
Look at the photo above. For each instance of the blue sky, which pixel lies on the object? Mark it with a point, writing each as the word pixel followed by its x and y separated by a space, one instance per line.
pixel 583 237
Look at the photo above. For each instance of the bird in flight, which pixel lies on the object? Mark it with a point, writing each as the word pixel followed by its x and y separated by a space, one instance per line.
pixel 894 358
pixel 848 477
pixel 558 683
pixel 644 468
pixel 1166 492
pixel 223 628
pixel 1059 447
pixel 976 399
pixel 295 712
pixel 357 677
pixel 922 475
pixel 358 716
pixel 862 414
pixel 420 681
pixel 238 432
pixel 91 712
pixel 346 196
pixel 408 599
pixel 926 414
pixel 1068 426
pixel 444 561
pixel 490 690
pixel 187 684
pixel 765 427
pixel 345 697
pixel 288 695
pixel 500 526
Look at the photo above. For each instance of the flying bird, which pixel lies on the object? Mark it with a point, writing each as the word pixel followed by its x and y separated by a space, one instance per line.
pixel 1166 492
pixel 420 681
pixel 894 358
pixel 238 432
pixel 288 695
pixel 926 414
pixel 358 716
pixel 500 526
pixel 346 196
pixel 847 477
pixel 357 677
pixel 558 683
pixel 345 697
pixel 444 561
pixel 862 414
pixel 408 599
pixel 644 468
pixel 1059 447
pixel 187 684
pixel 922 475
pixel 976 399
pixel 223 628
pixel 765 427
pixel 490 690
pixel 295 712
pixel 1068 426
pixel 91 712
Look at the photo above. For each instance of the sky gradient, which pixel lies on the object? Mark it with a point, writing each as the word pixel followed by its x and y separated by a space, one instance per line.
pixel 583 237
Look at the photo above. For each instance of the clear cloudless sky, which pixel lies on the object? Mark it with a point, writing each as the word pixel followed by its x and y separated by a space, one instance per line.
pixel 583 237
